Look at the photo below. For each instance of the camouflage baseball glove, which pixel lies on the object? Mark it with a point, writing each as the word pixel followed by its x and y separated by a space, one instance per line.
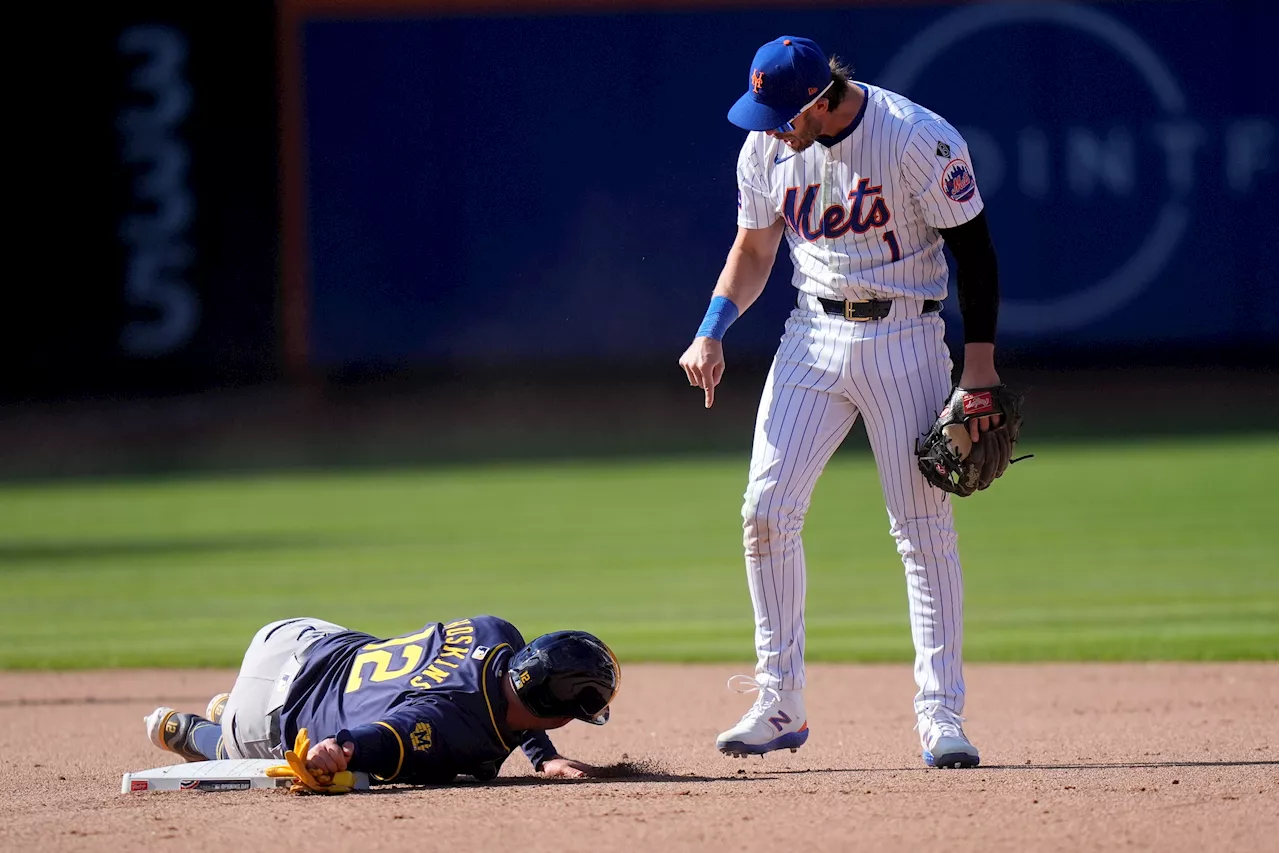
pixel 950 460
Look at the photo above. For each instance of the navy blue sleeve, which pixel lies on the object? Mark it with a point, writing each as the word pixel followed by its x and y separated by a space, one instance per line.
pixel 377 750
pixel 538 748
pixel 407 745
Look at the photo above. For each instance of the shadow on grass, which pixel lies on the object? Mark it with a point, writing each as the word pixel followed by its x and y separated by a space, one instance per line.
pixel 393 422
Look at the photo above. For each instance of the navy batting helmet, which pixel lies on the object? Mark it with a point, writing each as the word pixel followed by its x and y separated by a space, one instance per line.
pixel 566 674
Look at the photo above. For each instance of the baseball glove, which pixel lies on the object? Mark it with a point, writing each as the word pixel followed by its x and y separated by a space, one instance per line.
pixel 950 460
pixel 305 779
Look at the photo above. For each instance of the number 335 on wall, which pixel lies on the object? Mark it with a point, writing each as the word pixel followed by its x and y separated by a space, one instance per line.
pixel 156 232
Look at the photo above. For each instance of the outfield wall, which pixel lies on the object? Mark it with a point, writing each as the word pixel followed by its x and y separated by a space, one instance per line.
pixel 533 186
pixel 340 185
pixel 146 189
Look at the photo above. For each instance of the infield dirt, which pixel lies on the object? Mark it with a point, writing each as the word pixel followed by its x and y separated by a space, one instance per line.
pixel 1169 757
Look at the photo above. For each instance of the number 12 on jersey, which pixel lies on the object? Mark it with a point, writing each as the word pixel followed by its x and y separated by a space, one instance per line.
pixel 382 659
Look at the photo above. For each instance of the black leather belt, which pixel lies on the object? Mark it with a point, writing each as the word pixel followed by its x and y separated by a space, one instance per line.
pixel 871 309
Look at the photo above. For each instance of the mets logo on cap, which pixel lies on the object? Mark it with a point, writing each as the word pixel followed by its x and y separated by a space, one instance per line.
pixel 795 69
pixel 958 182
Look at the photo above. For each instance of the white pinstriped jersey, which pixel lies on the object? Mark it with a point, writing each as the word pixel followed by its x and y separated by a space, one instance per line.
pixel 863 215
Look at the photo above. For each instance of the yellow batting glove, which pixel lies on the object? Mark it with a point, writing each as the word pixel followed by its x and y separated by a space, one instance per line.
pixel 303 778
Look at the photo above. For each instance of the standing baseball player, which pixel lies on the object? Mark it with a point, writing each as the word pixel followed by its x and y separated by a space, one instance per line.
pixel 867 186
pixel 451 699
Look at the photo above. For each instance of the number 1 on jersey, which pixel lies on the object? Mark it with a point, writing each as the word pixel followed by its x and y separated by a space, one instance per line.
pixel 895 254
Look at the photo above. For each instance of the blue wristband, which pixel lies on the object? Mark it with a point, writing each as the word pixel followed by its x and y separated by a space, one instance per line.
pixel 720 316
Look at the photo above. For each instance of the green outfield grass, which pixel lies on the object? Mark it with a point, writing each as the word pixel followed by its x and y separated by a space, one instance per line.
pixel 1155 550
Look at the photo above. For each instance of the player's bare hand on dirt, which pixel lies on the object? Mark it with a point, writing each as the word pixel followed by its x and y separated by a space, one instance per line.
pixel 566 768
pixel 703 364
pixel 328 757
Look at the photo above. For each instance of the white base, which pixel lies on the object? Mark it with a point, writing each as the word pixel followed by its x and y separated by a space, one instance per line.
pixel 228 774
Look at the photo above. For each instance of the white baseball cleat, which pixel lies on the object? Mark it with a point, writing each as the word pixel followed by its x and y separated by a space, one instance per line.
pixel 217 705
pixel 776 721
pixel 943 742
pixel 170 730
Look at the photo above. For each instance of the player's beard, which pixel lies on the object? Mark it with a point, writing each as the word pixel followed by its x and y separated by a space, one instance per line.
pixel 805 133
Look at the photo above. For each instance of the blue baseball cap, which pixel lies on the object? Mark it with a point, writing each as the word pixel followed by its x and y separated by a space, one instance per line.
pixel 788 75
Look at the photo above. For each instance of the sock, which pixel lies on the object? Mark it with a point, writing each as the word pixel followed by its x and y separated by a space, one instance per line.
pixel 206 738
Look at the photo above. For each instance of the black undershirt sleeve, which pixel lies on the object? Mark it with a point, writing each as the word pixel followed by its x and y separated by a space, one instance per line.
pixel 977 277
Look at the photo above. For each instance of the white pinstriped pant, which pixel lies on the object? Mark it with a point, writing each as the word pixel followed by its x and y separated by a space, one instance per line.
pixel 896 373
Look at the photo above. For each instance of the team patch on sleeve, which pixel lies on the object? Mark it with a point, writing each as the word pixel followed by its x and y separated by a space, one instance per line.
pixel 957 181
pixel 420 737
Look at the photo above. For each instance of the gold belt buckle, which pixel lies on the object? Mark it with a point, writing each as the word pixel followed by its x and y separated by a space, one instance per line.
pixel 848 313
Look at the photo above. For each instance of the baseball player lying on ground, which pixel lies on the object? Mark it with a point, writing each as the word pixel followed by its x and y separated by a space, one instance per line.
pixel 450 700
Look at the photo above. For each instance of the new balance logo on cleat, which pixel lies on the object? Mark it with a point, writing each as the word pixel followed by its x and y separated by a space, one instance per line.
pixel 775 721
